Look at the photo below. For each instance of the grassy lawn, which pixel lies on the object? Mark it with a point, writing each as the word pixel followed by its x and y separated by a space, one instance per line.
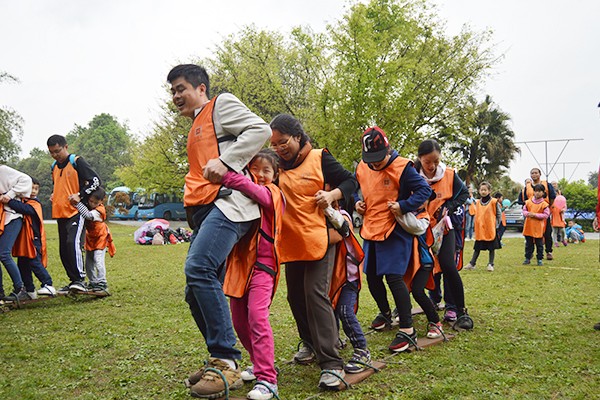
pixel 533 335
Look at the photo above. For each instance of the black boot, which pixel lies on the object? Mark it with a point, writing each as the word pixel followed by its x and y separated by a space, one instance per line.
pixel 463 321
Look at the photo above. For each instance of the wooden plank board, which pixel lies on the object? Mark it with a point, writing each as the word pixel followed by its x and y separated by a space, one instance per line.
pixel 426 342
pixel 10 305
pixel 353 379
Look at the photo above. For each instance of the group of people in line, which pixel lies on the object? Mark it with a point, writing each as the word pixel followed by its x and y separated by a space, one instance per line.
pixel 253 209
pixel 80 215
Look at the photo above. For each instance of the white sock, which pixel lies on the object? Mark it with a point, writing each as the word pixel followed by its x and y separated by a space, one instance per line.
pixel 229 362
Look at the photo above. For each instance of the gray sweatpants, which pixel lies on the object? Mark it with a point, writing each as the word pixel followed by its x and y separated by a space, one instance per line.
pixel 94 266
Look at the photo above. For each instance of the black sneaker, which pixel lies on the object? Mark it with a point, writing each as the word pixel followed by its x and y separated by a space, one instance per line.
pixel 17 297
pixel 382 321
pixel 78 286
pixel 63 290
pixel 463 321
pixel 403 341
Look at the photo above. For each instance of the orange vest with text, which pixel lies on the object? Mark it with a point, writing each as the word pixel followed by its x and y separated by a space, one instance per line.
pixel 340 268
pixel 66 183
pixel 304 225
pixel 202 145
pixel 558 217
pixel 242 259
pixel 24 246
pixel 97 234
pixel 379 187
pixel 535 227
pixel 443 192
pixel 485 220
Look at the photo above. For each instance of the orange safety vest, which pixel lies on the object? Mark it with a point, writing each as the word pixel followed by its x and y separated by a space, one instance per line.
pixel 66 183
pixel 503 219
pixel 379 187
pixel 340 268
pixel 304 224
pixel 485 223
pixel 24 246
pixel 528 191
pixel 443 190
pixel 242 259
pixel 558 217
pixel 202 145
pixel 535 227
pixel 97 235
pixel 1 218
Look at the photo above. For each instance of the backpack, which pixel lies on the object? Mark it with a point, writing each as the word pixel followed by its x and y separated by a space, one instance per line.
pixel 72 159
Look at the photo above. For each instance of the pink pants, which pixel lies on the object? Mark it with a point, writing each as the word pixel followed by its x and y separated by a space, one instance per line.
pixel 250 316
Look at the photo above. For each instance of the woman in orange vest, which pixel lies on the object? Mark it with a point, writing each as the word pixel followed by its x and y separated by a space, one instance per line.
pixel 488 214
pixel 386 179
pixel 253 273
pixel 306 249
pixel 450 193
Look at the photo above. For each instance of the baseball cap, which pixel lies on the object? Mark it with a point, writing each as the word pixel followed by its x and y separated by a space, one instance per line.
pixel 375 145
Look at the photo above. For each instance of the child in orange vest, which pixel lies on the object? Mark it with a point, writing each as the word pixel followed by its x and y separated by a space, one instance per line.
pixel 488 215
pixel 536 212
pixel 30 246
pixel 97 239
pixel 557 216
pixel 346 285
pixel 253 273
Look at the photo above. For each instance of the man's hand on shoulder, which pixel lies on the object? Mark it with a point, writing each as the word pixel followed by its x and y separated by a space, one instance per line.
pixel 214 170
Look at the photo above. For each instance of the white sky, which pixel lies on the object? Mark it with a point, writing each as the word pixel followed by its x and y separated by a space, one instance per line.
pixel 76 59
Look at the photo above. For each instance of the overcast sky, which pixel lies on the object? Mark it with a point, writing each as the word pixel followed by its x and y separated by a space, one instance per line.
pixel 76 59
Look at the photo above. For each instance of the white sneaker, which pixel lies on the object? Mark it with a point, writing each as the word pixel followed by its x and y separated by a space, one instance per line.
pixel 470 266
pixel 32 295
pixel 47 290
pixel 329 380
pixel 262 391
pixel 248 374
pixel 490 268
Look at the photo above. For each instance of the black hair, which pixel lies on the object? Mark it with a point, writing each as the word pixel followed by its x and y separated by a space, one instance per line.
pixel 194 74
pixel 98 194
pixel 487 184
pixel 539 188
pixel 56 140
pixel 289 125
pixel 270 156
pixel 536 168
pixel 34 181
pixel 427 146
pixel 497 195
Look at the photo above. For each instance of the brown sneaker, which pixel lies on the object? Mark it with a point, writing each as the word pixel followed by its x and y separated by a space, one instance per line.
pixel 194 378
pixel 211 385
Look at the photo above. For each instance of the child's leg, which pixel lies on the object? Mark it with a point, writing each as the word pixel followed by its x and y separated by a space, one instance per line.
pixel 528 247
pixel 401 298
pixel 418 292
pixel 436 294
pixel 539 244
pixel 39 270
pixel 90 267
pixel 25 271
pixel 492 256
pixel 345 311
pixel 261 334
pixel 378 291
pixel 563 235
pixel 555 235
pixel 239 317
pixel 99 261
pixel 475 257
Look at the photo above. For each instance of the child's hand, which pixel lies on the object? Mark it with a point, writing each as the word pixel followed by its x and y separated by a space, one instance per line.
pixel 74 199
pixel 394 207
pixel 360 207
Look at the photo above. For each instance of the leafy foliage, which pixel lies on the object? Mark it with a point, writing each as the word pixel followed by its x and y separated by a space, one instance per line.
pixel 38 165
pixel 11 126
pixel 580 196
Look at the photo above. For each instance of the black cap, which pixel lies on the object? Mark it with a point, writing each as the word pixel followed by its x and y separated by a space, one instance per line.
pixel 375 145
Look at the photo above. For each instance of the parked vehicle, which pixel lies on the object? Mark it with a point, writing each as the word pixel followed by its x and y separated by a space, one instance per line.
pixel 159 205
pixel 125 202
pixel 514 216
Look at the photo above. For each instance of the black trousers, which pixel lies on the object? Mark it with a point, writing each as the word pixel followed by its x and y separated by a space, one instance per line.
pixel 548 236
pixel 71 233
pixel 539 244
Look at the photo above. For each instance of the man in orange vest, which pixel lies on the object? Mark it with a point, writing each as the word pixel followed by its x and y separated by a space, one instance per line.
pixel 527 193
pixel 225 135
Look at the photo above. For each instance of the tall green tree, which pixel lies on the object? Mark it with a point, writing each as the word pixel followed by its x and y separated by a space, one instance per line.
pixel 593 179
pixel 11 126
pixel 105 144
pixel 580 196
pixel 482 142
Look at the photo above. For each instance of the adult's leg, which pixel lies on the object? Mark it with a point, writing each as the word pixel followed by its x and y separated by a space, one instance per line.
pixel 376 285
pixel 212 243
pixel 7 240
pixel 436 294
pixel 548 236
pixel 321 319
pixel 345 311
pixel 294 277
pixel 418 291
pixel 72 233
pixel 446 257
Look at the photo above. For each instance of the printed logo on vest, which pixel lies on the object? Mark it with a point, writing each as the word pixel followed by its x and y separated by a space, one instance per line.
pixel 198 131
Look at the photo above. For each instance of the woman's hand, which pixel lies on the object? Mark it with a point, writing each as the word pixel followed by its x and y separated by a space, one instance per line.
pixel 324 199
pixel 360 207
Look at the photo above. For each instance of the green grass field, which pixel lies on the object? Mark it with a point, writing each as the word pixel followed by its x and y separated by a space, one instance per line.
pixel 533 335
